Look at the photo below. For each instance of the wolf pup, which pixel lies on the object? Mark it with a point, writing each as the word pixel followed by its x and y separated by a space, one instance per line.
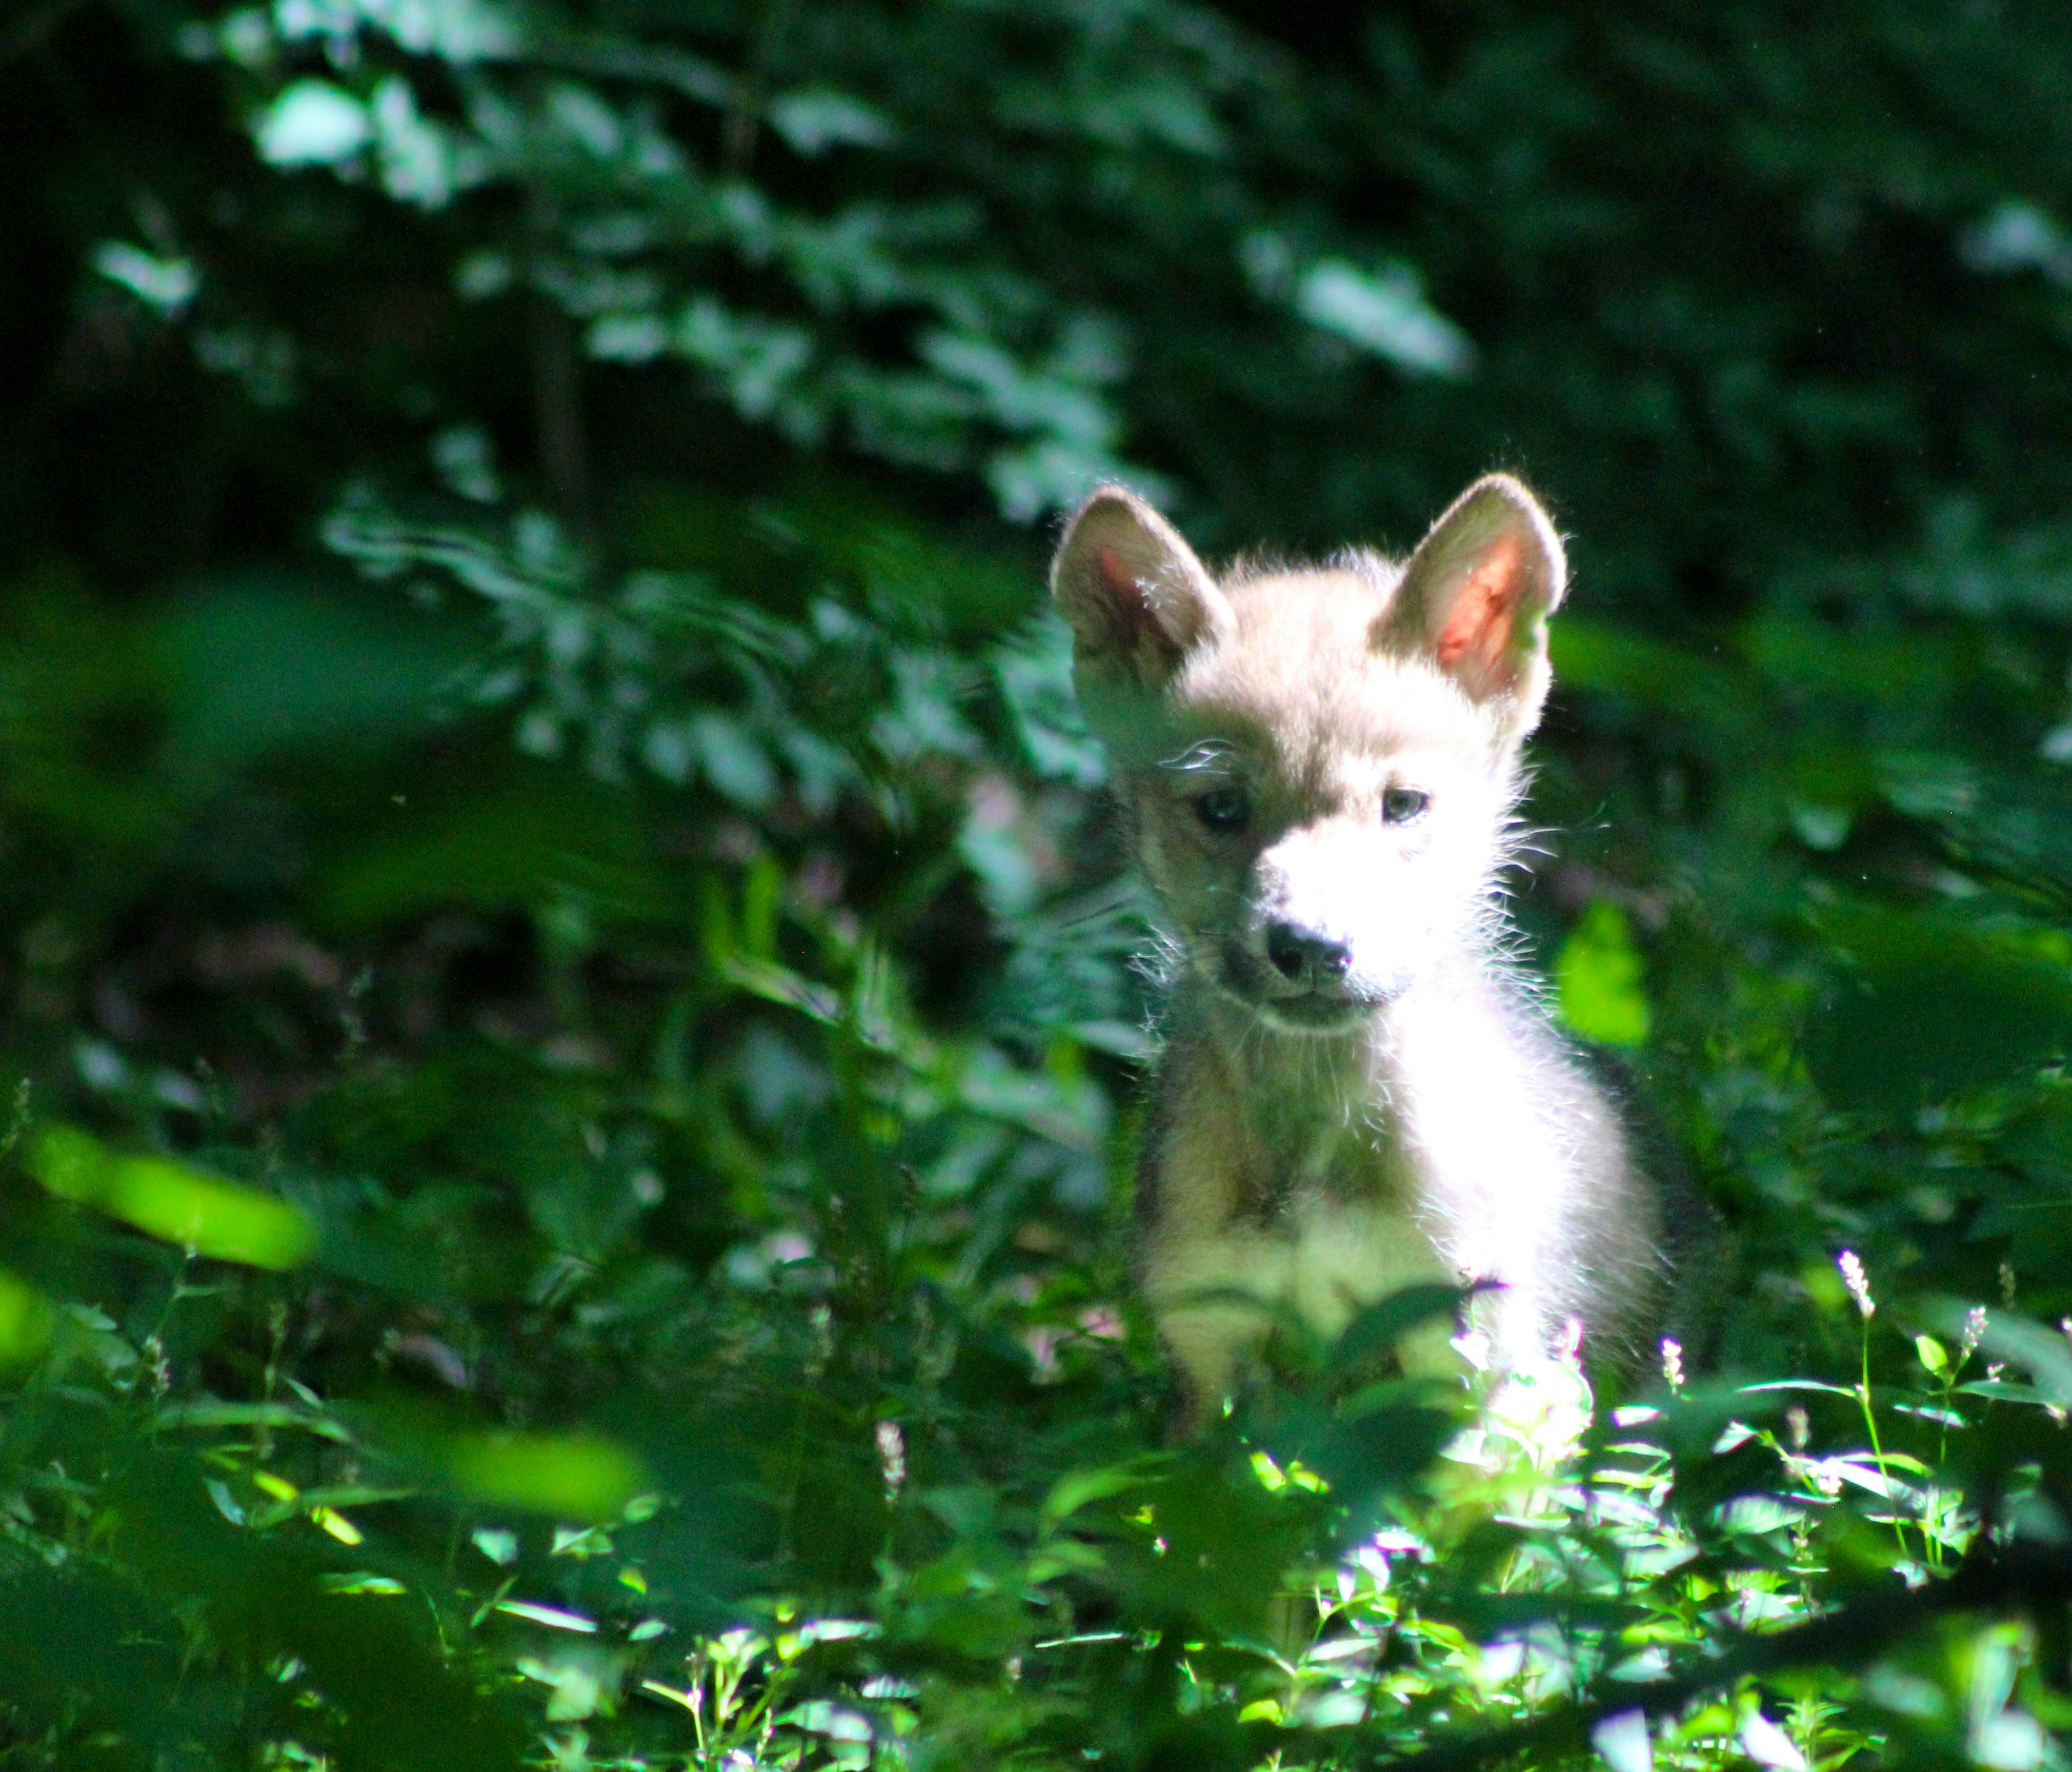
pixel 1356 1093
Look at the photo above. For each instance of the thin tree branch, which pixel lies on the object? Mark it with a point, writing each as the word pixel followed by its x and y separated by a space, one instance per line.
pixel 738 134
pixel 558 431
pixel 557 408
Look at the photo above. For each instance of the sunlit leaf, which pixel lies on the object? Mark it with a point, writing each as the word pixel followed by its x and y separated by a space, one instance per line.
pixel 1767 1744
pixel 1598 979
pixel 1624 1742
pixel 313 123
pixel 569 1476
pixel 27 1319
pixel 172 1200
pixel 553 1617
pixel 335 1523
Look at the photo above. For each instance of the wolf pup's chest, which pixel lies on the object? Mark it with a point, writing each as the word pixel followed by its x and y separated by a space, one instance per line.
pixel 1275 1203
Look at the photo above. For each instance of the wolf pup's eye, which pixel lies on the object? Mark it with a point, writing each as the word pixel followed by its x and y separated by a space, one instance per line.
pixel 1400 805
pixel 1223 809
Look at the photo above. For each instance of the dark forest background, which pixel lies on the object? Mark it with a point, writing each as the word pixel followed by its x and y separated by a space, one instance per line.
pixel 568 994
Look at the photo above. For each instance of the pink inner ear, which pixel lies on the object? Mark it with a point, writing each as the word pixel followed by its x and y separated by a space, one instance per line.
pixel 1478 626
pixel 1119 579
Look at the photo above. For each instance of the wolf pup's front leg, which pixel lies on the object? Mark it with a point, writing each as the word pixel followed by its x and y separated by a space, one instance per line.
pixel 1320 766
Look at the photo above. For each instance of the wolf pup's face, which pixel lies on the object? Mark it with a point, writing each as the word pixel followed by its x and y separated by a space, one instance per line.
pixel 1321 763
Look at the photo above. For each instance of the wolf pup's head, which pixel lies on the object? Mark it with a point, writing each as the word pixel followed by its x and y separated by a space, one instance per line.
pixel 1321 763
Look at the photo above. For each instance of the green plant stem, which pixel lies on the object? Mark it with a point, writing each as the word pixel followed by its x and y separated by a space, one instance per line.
pixel 1877 1450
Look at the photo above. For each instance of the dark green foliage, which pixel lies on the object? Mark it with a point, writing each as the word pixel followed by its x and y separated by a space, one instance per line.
pixel 568 988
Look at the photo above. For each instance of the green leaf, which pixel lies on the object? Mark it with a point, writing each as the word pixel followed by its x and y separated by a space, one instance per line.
pixel 569 1476
pixel 1073 1491
pixel 208 1413
pixel 1598 979
pixel 27 1319
pixel 1377 1328
pixel 2044 1354
pixel 171 1200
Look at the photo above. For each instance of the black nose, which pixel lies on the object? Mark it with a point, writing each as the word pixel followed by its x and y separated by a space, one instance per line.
pixel 1295 952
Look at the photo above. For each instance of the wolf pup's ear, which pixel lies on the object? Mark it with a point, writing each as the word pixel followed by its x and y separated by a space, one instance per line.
pixel 1136 597
pixel 1477 594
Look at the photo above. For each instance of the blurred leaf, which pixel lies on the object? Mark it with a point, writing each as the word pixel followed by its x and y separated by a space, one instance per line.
pixel 1376 1329
pixel 27 1319
pixel 517 846
pixel 569 1476
pixel 1074 1489
pixel 259 666
pixel 1228 1545
pixel 171 1201
pixel 1928 1006
pixel 1623 1741
pixel 1598 979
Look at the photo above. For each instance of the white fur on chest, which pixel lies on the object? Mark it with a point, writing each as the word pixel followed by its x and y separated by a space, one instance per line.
pixel 1494 1135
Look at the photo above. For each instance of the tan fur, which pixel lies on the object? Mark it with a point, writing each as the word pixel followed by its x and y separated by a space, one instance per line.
pixel 1356 1093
